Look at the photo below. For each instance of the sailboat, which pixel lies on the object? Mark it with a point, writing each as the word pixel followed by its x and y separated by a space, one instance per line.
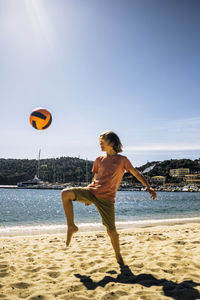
pixel 35 180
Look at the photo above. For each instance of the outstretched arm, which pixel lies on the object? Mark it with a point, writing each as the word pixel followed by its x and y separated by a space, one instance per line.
pixel 143 180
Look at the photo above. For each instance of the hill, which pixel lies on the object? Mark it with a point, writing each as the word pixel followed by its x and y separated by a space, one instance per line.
pixel 62 169
pixel 73 169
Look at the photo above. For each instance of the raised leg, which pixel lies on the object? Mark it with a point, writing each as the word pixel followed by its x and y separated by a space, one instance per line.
pixel 114 237
pixel 67 197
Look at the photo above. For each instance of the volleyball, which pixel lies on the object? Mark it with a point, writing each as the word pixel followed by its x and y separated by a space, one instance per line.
pixel 40 118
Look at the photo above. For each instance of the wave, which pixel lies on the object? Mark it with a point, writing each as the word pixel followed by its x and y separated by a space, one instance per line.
pixel 9 231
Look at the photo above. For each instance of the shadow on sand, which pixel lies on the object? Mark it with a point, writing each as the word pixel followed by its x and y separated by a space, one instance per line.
pixel 178 291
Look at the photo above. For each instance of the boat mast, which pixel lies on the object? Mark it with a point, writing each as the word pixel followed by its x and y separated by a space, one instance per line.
pixel 38 173
pixel 86 167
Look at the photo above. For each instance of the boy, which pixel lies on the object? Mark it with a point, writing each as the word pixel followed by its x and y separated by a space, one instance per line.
pixel 108 171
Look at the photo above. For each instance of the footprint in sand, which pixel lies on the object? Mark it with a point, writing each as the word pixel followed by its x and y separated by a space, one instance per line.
pixel 98 261
pixel 90 263
pixel 20 285
pixel 196 242
pixel 180 243
pixel 138 264
pixel 3 270
pixel 75 288
pixel 39 297
pixel 52 268
pixel 154 269
pixel 3 266
pixel 12 268
pixel 54 274
pixel 3 274
pixel 100 236
pixel 114 295
pixel 35 246
pixel 161 264
pixel 30 259
pixel 59 259
pixel 33 270
pixel 177 257
pixel 29 254
pixel 96 270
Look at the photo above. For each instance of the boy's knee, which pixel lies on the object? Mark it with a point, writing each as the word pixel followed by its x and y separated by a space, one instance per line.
pixel 67 194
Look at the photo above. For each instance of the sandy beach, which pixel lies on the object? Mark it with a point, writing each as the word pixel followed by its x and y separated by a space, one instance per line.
pixel 162 262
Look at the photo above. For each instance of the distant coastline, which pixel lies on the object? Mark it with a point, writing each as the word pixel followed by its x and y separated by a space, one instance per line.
pixel 186 188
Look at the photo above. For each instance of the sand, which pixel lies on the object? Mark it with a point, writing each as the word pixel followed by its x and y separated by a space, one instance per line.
pixel 162 262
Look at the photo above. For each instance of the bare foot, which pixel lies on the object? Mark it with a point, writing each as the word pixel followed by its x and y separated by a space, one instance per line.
pixel 70 231
pixel 120 260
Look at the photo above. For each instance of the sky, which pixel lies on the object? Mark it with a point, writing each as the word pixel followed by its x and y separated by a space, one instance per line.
pixel 132 67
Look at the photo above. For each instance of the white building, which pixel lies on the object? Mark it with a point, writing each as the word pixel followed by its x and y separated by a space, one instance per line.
pixel 181 172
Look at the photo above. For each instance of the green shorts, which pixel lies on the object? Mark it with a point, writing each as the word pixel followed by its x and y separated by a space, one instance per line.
pixel 105 207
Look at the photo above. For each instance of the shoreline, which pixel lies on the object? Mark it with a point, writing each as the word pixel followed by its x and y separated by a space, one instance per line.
pixel 41 230
pixel 175 189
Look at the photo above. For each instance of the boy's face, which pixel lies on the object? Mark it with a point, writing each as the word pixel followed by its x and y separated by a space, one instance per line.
pixel 104 144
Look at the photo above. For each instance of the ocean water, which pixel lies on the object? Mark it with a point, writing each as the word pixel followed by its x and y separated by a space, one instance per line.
pixel 28 211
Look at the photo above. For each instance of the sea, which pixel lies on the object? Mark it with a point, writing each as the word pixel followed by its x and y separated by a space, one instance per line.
pixel 34 211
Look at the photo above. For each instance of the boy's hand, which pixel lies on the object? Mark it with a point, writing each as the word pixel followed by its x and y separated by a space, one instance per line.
pixel 152 192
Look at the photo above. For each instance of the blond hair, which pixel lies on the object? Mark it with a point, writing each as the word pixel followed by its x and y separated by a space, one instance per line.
pixel 112 138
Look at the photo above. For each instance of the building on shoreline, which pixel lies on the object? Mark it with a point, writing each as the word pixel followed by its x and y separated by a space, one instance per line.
pixel 180 172
pixel 192 178
pixel 158 179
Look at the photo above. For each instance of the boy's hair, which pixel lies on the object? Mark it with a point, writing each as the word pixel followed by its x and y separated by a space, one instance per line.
pixel 112 137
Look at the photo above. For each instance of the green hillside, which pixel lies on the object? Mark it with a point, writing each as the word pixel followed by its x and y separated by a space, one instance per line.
pixel 73 169
pixel 63 169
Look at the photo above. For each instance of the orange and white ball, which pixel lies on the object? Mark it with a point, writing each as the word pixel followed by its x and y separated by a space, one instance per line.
pixel 40 118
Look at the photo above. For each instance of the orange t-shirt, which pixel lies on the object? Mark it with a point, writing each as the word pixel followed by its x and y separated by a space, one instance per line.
pixel 110 170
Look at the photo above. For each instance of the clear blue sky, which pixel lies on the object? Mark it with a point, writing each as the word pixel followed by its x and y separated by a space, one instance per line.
pixel 128 66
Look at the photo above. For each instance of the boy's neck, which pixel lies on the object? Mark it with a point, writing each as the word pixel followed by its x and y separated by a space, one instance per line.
pixel 110 153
